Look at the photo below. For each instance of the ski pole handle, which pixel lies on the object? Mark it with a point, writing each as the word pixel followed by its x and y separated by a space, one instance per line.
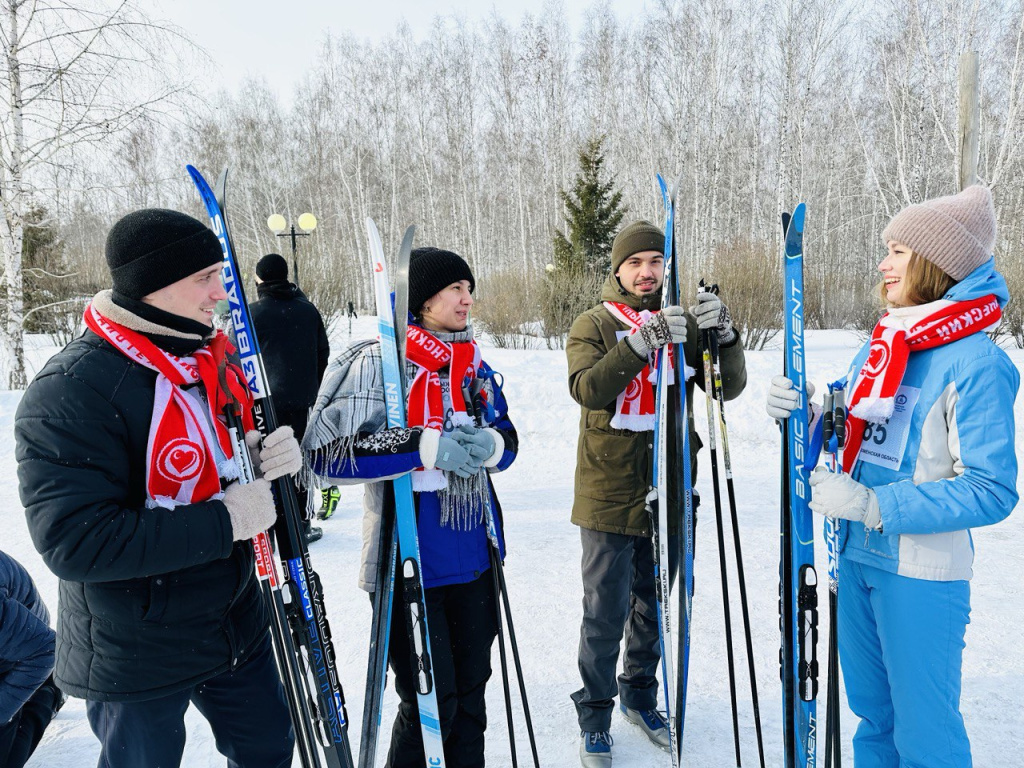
pixel 840 417
pixel 827 419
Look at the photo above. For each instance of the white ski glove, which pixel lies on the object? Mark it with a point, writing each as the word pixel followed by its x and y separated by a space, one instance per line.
pixel 250 507
pixel 666 326
pixel 837 495
pixel 279 456
pixel 783 399
pixel 712 314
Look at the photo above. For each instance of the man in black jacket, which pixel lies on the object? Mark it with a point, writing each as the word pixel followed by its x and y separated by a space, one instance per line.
pixel 295 350
pixel 129 485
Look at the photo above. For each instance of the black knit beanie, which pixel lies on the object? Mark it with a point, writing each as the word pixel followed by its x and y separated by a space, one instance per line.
pixel 635 238
pixel 430 270
pixel 272 267
pixel 149 249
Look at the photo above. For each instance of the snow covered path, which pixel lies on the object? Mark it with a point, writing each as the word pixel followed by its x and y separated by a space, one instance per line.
pixel 543 575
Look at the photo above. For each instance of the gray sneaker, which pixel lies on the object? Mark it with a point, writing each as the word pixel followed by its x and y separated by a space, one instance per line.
pixel 596 749
pixel 651 722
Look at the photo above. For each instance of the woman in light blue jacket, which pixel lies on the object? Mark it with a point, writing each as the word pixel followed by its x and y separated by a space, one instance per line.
pixel 930 455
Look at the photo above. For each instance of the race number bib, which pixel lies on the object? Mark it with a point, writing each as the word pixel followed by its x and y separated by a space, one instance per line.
pixel 884 444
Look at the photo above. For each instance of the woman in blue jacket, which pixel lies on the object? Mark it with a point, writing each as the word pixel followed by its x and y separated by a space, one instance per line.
pixel 930 456
pixel 458 431
pixel 28 696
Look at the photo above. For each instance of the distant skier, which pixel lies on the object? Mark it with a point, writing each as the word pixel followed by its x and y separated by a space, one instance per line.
pixel 129 486
pixel 930 455
pixel 348 442
pixel 295 351
pixel 610 350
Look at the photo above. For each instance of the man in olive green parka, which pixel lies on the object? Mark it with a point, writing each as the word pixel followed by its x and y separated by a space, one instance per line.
pixel 609 349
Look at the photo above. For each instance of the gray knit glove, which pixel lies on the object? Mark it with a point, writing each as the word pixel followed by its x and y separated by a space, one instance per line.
pixel 485 444
pixel 712 314
pixel 666 326
pixel 438 451
pixel 250 507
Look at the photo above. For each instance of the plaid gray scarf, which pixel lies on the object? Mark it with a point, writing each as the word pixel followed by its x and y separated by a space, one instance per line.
pixel 350 408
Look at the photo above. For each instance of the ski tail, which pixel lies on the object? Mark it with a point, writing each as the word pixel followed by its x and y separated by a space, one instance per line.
pixel 307 616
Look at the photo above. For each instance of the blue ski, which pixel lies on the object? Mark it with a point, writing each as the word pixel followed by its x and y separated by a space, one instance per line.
pixel 674 652
pixel 798 589
pixel 414 602
pixel 387 547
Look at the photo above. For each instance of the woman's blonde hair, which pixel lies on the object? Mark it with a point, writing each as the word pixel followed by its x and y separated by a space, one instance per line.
pixel 923 283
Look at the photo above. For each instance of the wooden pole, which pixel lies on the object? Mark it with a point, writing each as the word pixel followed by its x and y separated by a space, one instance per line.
pixel 970 118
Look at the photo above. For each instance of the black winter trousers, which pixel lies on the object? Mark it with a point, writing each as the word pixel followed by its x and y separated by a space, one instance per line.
pixel 245 708
pixel 20 737
pixel 462 619
pixel 618 599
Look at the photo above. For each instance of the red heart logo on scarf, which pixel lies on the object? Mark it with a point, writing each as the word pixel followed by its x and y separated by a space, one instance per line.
pixel 180 460
pixel 878 358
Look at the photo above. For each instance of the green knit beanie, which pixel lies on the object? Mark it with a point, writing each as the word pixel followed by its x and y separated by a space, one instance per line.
pixel 634 238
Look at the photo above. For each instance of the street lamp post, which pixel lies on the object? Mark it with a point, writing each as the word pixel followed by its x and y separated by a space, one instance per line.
pixel 277 224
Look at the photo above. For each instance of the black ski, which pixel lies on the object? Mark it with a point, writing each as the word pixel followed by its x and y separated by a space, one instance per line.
pixel 310 632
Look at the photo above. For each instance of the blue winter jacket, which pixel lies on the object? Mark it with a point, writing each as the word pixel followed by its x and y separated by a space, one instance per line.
pixel 944 462
pixel 26 640
pixel 448 555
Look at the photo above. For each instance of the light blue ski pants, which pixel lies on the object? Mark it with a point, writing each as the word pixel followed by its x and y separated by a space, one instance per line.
pixel 901 644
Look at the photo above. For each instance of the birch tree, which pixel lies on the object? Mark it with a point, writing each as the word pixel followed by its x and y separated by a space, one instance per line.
pixel 76 74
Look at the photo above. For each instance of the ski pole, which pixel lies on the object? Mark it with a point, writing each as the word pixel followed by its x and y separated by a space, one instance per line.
pixel 501 598
pixel 495 566
pixel 833 427
pixel 270 585
pixel 709 399
pixel 719 392
pixel 383 602
pixel 519 667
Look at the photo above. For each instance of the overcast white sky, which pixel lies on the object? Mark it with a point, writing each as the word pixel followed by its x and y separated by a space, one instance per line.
pixel 279 39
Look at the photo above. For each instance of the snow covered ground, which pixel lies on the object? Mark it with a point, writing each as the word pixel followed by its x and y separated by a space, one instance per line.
pixel 543 575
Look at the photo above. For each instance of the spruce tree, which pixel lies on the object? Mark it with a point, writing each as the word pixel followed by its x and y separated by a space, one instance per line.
pixel 582 255
pixel 593 212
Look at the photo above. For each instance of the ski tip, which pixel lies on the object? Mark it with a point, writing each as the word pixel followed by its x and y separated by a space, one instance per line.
pixel 786 216
pixel 798 217
pixel 197 177
pixel 407 238
pixel 663 187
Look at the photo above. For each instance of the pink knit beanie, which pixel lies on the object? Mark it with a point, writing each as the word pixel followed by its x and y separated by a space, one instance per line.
pixel 956 233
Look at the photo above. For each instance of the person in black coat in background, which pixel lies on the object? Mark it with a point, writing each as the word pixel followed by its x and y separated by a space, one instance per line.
pixel 295 351
pixel 130 489
pixel 28 696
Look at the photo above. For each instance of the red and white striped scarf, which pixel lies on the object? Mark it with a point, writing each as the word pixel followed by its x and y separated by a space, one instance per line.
pixel 181 454
pixel 634 407
pixel 874 388
pixel 426 406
